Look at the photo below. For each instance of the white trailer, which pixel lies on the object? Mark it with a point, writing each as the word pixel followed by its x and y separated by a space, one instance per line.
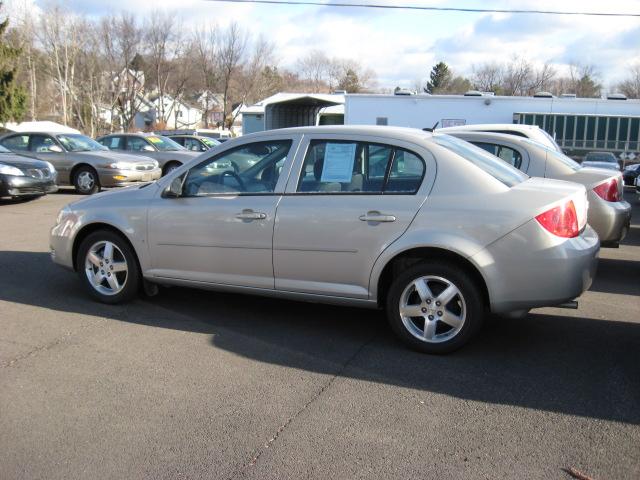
pixel 577 124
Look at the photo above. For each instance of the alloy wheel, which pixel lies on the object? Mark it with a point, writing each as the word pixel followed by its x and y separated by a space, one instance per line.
pixel 432 309
pixel 106 268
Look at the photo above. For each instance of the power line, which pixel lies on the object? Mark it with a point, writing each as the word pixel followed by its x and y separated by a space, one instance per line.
pixel 434 9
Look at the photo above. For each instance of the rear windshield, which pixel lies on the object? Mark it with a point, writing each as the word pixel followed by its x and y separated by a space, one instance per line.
pixel 494 166
pixel 559 156
pixel 600 157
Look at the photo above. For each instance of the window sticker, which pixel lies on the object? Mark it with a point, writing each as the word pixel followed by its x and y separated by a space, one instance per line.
pixel 154 139
pixel 338 162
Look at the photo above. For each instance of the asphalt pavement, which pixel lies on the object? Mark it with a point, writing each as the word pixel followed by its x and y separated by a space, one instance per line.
pixel 195 384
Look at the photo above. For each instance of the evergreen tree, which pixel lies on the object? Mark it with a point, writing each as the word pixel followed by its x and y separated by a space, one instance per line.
pixel 13 98
pixel 440 77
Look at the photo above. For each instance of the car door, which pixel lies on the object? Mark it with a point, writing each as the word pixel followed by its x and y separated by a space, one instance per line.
pixel 346 201
pixel 46 147
pixel 220 229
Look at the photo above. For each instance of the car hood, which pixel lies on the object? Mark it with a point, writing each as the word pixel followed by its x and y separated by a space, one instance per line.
pixel 109 156
pixel 605 165
pixel 21 161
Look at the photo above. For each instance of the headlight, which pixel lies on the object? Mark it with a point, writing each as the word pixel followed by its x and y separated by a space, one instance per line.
pixel 62 213
pixel 121 166
pixel 50 167
pixel 155 164
pixel 10 170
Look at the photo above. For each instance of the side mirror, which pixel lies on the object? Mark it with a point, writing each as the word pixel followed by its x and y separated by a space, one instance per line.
pixel 174 190
pixel 148 148
pixel 55 149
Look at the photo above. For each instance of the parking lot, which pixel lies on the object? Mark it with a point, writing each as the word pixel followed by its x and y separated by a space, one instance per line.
pixel 201 384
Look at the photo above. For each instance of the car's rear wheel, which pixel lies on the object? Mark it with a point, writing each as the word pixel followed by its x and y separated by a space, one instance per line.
pixel 170 167
pixel 108 268
pixel 435 307
pixel 86 181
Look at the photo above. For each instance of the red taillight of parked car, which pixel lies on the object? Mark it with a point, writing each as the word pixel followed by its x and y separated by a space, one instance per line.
pixel 561 220
pixel 608 190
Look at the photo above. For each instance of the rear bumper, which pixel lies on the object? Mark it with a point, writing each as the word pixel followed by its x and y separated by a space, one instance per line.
pixel 531 268
pixel 610 220
pixel 123 178
pixel 23 186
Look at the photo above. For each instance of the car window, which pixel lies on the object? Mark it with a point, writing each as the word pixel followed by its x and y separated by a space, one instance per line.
pixel 193 145
pixel 6 150
pixel 509 155
pixel 79 143
pixel 178 140
pixel 112 143
pixel 334 166
pixel 406 172
pixel 248 169
pixel 17 142
pixel 499 170
pixel 41 143
pixel 136 144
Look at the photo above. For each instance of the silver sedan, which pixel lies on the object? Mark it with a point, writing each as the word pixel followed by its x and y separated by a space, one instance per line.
pixel 436 231
pixel 82 162
pixel 609 214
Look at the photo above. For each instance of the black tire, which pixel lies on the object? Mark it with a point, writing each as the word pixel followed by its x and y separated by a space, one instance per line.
pixel 169 166
pixel 86 180
pixel 133 278
pixel 471 295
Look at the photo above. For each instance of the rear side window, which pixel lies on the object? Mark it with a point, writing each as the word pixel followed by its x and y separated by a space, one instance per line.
pixel 495 167
pixel 112 143
pixel 17 142
pixel 509 155
pixel 41 143
pixel 344 167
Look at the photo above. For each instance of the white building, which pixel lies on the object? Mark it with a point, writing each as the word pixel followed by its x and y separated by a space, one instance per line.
pixel 577 124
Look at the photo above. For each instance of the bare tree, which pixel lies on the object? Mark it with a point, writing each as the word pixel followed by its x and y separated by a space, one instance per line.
pixel 121 37
pixel 163 40
pixel 230 56
pixel 517 77
pixel 631 85
pixel 62 42
pixel 316 69
pixel 487 77
pixel 204 48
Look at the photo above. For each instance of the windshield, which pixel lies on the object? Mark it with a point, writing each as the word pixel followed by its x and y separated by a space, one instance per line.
pixel 79 143
pixel 494 166
pixel 4 150
pixel 164 144
pixel 209 142
pixel 600 157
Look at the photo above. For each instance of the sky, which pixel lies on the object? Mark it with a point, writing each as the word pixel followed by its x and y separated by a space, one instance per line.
pixel 401 46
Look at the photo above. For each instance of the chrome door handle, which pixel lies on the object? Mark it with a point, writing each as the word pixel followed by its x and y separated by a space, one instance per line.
pixel 251 215
pixel 377 217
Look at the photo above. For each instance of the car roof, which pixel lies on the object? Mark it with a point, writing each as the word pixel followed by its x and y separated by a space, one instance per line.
pixel 515 127
pixel 504 137
pixel 399 133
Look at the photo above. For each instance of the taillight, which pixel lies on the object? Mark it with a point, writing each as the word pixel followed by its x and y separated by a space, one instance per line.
pixel 561 220
pixel 608 190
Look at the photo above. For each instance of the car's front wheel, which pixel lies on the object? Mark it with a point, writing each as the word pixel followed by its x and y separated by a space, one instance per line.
pixel 86 181
pixel 108 268
pixel 170 167
pixel 435 307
